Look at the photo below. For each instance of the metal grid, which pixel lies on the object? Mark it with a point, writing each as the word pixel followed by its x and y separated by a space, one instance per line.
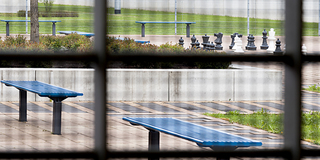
pixel 292 60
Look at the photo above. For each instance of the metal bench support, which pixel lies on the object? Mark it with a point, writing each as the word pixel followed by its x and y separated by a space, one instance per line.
pixel 7 29
pixel 54 28
pixel 188 30
pixel 143 30
pixel 154 139
pixel 56 118
pixel 22 105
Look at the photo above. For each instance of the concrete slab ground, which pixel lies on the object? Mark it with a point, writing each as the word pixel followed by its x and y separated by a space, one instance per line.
pixel 78 128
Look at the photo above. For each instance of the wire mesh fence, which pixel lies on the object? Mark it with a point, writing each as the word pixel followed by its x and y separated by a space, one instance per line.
pixel 223 83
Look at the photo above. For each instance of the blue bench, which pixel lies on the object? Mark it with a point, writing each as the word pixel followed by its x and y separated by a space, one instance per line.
pixel 202 136
pixel 92 34
pixel 158 22
pixel 52 21
pixel 57 94
pixel 80 33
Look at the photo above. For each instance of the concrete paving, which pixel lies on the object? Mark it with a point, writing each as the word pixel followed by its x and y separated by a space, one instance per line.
pixel 78 128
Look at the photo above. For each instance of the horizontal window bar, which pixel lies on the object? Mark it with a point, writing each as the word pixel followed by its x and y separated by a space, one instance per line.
pixel 189 154
pixel 27 56
pixel 47 155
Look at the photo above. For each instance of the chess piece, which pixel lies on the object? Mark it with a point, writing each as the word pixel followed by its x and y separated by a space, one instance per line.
pixel 232 41
pixel 271 39
pixel 278 49
pixel 250 45
pixel 193 42
pixel 212 46
pixel 181 42
pixel 205 40
pixel 197 44
pixel 218 41
pixel 304 49
pixel 208 46
pixel 264 41
pixel 238 45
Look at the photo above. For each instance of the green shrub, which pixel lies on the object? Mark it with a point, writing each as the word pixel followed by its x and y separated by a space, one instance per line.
pixel 115 46
pixel 22 13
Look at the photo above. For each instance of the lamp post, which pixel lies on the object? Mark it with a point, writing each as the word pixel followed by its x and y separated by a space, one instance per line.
pixel 175 17
pixel 26 16
pixel 248 32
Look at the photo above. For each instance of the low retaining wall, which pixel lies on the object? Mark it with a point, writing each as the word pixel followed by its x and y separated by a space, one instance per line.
pixel 154 84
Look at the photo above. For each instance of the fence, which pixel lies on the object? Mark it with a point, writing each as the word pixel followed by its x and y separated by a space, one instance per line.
pixel 105 130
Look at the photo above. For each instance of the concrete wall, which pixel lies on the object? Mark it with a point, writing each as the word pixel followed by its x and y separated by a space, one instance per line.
pixel 13 6
pixel 155 84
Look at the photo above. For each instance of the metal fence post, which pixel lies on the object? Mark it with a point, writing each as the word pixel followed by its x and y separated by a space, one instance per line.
pixel 292 119
pixel 100 79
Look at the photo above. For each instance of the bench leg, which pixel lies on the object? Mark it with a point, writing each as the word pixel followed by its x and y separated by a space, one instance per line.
pixel 143 30
pixel 53 28
pixel 22 106
pixel 188 30
pixel 154 138
pixel 56 118
pixel 7 29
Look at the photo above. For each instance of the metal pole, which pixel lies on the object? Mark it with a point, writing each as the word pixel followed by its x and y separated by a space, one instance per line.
pixel 100 134
pixel 292 114
pixel 319 20
pixel 175 17
pixel 26 16
pixel 248 32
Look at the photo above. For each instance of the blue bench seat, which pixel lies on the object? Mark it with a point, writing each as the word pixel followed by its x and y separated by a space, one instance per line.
pixel 52 21
pixel 57 94
pixel 164 22
pixel 202 136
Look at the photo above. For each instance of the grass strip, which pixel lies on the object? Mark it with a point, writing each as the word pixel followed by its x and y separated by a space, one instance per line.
pixel 313 88
pixel 274 122
pixel 124 23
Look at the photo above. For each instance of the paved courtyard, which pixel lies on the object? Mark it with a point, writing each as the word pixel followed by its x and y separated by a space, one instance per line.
pixel 78 128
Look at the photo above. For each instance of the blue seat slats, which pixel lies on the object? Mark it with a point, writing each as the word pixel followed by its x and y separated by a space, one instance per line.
pixel 42 89
pixel 203 136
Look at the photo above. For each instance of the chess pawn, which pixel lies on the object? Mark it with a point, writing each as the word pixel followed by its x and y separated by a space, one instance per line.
pixel 264 41
pixel 181 42
pixel 304 49
pixel 278 49
pixel 212 47
pixel 238 45
pixel 250 45
pixel 197 44
pixel 271 39
pixel 193 42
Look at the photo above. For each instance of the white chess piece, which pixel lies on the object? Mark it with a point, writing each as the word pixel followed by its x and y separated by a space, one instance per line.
pixel 304 49
pixel 238 44
pixel 271 39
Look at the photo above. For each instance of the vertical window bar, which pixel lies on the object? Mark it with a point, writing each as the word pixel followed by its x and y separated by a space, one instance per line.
pixel 292 119
pixel 100 79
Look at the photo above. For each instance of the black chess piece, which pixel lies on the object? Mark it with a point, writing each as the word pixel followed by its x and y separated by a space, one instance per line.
pixel 232 37
pixel 264 41
pixel 208 46
pixel 197 44
pixel 250 44
pixel 193 42
pixel 181 42
pixel 278 49
pixel 218 41
pixel 212 46
pixel 205 40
